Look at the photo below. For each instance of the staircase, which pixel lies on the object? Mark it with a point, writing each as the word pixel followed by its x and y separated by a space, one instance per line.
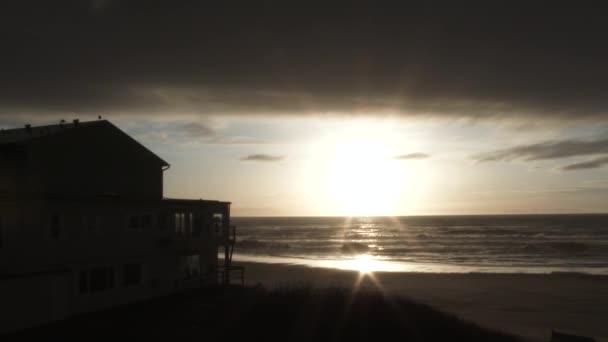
pixel 225 273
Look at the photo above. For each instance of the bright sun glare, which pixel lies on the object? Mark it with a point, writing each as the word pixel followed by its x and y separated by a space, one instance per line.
pixel 363 178
pixel 364 264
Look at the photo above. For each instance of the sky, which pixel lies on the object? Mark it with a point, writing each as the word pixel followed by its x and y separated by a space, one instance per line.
pixel 344 109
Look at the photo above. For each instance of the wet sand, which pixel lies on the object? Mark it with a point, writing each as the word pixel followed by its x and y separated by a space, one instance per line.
pixel 528 305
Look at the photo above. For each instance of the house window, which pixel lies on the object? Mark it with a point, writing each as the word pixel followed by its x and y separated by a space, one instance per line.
pixel 140 222
pixel 132 274
pixel 178 222
pixel 218 222
pixel 164 221
pixel 101 278
pixel 189 223
pixel 55 225
pixel 190 266
pixel 90 223
pixel 146 221
pixel 196 225
pixel 183 223
pixel 84 281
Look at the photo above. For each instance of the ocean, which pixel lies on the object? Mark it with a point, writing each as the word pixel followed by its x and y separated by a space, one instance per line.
pixel 458 244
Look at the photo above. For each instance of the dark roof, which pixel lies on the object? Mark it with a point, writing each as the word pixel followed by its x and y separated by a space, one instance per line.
pixel 26 134
pixel 21 135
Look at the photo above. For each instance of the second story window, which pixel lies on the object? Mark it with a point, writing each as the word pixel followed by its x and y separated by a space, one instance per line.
pixel 101 279
pixel 146 221
pixel 132 274
pixel 196 225
pixel 190 266
pixel 55 225
pixel 180 222
pixel 140 222
pixel 189 223
pixel 84 281
pixel 90 223
pixel 184 222
pixel 218 222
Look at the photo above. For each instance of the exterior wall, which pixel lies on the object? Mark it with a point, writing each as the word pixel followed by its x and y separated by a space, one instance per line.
pixel 104 233
pixel 91 161
pixel 33 300
pixel 11 159
pixel 83 226
pixel 21 236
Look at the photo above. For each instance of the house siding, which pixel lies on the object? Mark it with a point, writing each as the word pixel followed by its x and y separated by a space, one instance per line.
pixel 79 205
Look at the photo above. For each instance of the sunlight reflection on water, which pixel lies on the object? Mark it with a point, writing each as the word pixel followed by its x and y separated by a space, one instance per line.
pixel 363 263
pixel 369 264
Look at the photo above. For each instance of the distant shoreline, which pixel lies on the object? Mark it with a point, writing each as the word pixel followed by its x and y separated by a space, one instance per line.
pixel 418 268
pixel 419 215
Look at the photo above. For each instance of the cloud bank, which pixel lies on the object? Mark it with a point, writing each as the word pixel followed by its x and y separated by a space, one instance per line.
pixel 590 164
pixel 263 158
pixel 546 150
pixel 417 155
pixel 163 57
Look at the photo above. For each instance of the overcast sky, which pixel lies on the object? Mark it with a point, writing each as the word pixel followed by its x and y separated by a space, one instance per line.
pixel 465 108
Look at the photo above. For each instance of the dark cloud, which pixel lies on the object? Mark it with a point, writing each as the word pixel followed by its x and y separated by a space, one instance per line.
pixel 276 57
pixel 416 155
pixel 205 134
pixel 547 150
pixel 263 158
pixel 197 130
pixel 590 164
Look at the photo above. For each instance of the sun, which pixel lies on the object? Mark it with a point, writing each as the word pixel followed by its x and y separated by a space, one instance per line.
pixel 364 264
pixel 363 179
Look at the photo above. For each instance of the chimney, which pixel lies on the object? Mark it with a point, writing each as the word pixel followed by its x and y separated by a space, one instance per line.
pixel 28 129
pixel 76 122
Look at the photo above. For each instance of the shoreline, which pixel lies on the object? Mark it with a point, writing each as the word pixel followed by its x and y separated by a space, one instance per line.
pixel 525 304
pixel 395 266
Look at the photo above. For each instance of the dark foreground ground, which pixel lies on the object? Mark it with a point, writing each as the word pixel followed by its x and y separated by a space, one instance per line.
pixel 258 314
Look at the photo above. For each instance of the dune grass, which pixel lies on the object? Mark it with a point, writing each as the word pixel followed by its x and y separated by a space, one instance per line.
pixel 258 314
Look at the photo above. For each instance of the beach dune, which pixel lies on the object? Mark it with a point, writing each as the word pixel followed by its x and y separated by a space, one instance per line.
pixel 528 305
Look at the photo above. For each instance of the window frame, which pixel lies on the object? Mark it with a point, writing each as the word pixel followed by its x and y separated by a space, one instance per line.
pixel 126 281
pixel 60 225
pixel 139 220
pixel 1 232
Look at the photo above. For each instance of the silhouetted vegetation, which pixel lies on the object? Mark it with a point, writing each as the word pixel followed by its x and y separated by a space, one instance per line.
pixel 258 314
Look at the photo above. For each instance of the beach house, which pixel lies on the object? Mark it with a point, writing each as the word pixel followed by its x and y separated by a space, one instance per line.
pixel 84 225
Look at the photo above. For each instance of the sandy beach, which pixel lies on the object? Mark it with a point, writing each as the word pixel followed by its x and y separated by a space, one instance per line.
pixel 528 305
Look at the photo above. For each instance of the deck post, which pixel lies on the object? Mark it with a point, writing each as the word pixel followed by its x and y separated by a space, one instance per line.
pixel 227 254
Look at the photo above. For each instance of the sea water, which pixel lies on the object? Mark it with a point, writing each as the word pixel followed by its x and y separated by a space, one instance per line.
pixel 510 243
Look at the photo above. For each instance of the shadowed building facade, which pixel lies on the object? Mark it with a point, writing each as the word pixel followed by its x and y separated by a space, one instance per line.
pixel 84 225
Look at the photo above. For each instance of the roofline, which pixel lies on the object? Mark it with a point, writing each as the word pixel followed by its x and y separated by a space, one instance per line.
pixel 109 198
pixel 85 124
pixel 163 162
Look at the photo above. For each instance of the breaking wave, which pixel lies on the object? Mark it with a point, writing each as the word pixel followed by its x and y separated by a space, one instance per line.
pixel 567 241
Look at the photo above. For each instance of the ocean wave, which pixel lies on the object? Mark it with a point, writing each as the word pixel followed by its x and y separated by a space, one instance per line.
pixel 257 244
pixel 569 246
pixel 564 247
pixel 355 247
pixel 490 231
pixel 556 241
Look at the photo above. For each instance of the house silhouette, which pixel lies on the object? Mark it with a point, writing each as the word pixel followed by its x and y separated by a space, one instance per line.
pixel 84 225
